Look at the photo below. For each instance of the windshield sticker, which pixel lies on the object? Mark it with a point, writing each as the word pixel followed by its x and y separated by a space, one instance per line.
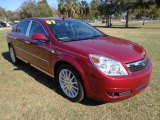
pixel 50 22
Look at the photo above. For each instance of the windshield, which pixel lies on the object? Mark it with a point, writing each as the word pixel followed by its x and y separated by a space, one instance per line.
pixel 73 30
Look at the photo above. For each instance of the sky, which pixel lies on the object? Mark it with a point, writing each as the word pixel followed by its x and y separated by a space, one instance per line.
pixel 14 4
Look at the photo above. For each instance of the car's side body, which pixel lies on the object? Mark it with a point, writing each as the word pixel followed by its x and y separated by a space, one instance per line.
pixel 47 57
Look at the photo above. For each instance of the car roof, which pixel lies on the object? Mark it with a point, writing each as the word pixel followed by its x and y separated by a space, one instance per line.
pixel 48 18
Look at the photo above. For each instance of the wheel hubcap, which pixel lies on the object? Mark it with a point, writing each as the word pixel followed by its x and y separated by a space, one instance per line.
pixel 68 83
pixel 12 54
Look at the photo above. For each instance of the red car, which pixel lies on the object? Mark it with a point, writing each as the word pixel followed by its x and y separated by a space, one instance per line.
pixel 84 61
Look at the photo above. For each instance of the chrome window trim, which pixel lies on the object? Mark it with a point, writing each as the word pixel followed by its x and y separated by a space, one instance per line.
pixel 40 24
pixel 42 27
pixel 26 30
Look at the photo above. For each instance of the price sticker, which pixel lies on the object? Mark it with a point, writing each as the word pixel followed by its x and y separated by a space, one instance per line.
pixel 50 22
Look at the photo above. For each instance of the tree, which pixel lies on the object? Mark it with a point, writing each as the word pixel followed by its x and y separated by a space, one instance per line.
pixel 151 12
pixel 32 9
pixel 94 13
pixel 62 9
pixel 157 3
pixel 128 6
pixel 2 13
pixel 28 9
pixel 68 8
pixel 12 15
pixel 108 8
pixel 44 9
pixel 84 9
pixel 76 9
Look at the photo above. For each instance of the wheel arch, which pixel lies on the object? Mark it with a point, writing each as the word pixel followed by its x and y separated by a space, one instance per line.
pixel 78 68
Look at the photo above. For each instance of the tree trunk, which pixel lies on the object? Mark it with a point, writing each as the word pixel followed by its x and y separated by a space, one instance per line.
pixel 127 18
pixel 107 20
pixel 143 22
pixel 110 21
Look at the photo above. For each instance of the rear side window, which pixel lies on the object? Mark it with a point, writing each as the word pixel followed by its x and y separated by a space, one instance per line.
pixel 36 27
pixel 14 28
pixel 22 27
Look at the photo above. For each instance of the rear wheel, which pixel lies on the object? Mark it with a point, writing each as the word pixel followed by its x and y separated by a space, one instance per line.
pixel 13 55
pixel 69 83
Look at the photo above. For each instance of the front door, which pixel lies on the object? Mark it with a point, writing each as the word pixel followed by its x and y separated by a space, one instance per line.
pixel 39 54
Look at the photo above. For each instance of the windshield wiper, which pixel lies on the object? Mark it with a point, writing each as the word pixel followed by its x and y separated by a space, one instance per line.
pixel 78 39
pixel 91 37
pixel 69 40
pixel 96 36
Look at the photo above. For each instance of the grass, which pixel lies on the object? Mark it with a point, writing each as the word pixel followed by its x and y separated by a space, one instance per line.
pixel 26 93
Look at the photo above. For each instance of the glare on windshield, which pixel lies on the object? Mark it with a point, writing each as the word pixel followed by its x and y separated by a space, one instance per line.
pixel 72 30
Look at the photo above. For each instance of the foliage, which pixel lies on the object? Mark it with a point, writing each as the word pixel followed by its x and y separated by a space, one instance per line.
pixel 107 9
pixel 151 12
pixel 2 13
pixel 94 13
pixel 32 9
pixel 73 8
pixel 28 9
pixel 12 16
pixel 157 3
pixel 127 7
pixel 69 8
pixel 84 8
pixel 44 9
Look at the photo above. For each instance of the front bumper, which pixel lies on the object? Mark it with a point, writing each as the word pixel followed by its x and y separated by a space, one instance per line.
pixel 107 88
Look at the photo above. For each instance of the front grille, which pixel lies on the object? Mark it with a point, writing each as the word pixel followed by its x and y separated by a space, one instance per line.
pixel 138 65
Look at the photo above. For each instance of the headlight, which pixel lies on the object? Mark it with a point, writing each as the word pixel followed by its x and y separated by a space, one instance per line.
pixel 108 66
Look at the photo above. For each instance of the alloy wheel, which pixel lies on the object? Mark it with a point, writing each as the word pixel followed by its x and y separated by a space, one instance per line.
pixel 68 83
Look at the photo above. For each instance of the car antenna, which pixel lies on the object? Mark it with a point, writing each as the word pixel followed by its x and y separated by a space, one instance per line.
pixel 63 18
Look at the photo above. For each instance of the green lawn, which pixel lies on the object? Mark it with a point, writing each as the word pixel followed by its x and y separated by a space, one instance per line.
pixel 26 93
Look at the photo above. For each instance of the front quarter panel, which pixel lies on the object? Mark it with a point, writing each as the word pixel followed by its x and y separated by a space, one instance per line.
pixel 76 60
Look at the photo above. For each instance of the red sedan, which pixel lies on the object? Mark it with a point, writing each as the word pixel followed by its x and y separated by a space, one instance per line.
pixel 84 61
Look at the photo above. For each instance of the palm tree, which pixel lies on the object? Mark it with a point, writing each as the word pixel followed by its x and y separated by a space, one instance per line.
pixel 69 8
pixel 84 8
pixel 62 9
pixel 75 9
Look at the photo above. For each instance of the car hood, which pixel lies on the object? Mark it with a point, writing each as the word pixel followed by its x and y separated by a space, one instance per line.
pixel 116 48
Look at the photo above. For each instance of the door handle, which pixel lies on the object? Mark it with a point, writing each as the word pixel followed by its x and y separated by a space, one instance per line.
pixel 27 42
pixel 52 51
pixel 12 37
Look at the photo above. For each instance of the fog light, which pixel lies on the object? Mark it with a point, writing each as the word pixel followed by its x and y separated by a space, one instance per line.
pixel 119 94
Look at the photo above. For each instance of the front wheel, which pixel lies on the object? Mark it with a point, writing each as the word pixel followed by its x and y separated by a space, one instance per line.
pixel 69 82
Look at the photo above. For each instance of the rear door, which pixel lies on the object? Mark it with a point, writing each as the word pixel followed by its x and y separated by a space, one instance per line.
pixel 18 37
pixel 39 54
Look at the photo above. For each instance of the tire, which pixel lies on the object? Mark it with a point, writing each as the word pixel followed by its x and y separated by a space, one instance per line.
pixel 12 53
pixel 69 83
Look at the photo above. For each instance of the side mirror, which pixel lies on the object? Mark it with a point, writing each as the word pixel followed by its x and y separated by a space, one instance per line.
pixel 39 36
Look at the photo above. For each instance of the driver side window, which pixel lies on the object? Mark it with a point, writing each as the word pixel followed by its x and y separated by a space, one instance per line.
pixel 36 28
